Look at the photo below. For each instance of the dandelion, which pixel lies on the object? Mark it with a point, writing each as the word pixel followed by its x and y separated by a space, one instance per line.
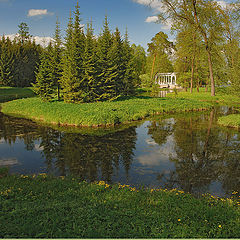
pixel 220 226
pixel 179 220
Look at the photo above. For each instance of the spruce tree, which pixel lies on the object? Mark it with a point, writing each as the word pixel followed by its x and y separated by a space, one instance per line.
pixel 68 80
pixel 72 76
pixel 44 86
pixel 106 74
pixel 89 65
pixel 118 61
pixel 130 76
pixel 78 46
pixel 56 56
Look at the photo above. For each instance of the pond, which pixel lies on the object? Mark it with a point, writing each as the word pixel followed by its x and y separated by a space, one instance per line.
pixel 186 151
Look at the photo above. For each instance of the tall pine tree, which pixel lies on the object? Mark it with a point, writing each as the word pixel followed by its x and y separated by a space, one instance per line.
pixel 130 76
pixel 69 74
pixel 106 74
pixel 44 86
pixel 56 57
pixel 89 66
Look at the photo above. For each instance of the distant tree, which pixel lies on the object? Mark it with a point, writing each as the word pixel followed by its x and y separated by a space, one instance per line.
pixel 160 49
pixel 139 60
pixel 23 32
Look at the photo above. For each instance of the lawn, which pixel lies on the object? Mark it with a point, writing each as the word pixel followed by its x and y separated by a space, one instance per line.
pixel 220 98
pixel 64 207
pixel 11 93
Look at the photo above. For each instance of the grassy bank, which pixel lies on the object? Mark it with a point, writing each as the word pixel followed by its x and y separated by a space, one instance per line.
pixel 220 98
pixel 97 114
pixel 47 207
pixel 232 120
pixel 12 93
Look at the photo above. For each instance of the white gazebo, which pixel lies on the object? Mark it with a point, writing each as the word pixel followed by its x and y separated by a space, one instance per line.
pixel 166 80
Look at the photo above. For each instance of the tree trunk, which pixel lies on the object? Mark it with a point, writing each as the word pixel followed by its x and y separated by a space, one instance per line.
pixel 192 74
pixel 211 72
pixel 58 92
pixel 154 59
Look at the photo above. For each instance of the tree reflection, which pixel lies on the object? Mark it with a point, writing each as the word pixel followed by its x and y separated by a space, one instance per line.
pixel 88 157
pixel 204 153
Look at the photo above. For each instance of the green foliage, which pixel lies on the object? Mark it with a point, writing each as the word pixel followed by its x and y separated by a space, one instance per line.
pixel 69 80
pixel 90 66
pixel 55 59
pixel 6 62
pixel 158 61
pixel 47 207
pixel 44 78
pixel 139 61
pixel 145 80
pixel 105 69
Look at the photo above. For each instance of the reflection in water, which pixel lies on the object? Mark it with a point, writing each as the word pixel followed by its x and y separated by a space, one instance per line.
pixel 204 154
pixel 187 151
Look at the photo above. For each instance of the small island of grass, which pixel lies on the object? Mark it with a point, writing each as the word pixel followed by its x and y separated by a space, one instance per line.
pixel 99 113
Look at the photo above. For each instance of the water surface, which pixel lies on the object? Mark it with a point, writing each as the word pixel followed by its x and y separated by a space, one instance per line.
pixel 185 151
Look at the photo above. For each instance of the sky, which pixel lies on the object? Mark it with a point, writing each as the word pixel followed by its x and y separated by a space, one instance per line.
pixel 40 15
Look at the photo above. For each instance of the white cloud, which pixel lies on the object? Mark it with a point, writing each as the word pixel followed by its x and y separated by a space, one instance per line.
pixel 154 4
pixel 38 148
pixel 223 4
pixel 8 162
pixel 167 25
pixel 44 41
pixel 151 19
pixel 38 12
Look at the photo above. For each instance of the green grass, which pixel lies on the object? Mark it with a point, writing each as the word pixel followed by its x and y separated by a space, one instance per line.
pixel 101 113
pixel 48 207
pixel 232 120
pixel 11 93
pixel 220 98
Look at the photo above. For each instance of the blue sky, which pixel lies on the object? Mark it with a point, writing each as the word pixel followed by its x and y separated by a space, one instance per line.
pixel 40 15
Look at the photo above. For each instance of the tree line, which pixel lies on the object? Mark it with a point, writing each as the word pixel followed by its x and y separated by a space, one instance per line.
pixel 18 59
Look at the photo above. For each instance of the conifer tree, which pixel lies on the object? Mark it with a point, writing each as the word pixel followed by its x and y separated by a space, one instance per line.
pixel 106 73
pixel 130 76
pixel 44 86
pixel 78 49
pixel 68 80
pixel 118 62
pixel 6 62
pixel 89 65
pixel 56 56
